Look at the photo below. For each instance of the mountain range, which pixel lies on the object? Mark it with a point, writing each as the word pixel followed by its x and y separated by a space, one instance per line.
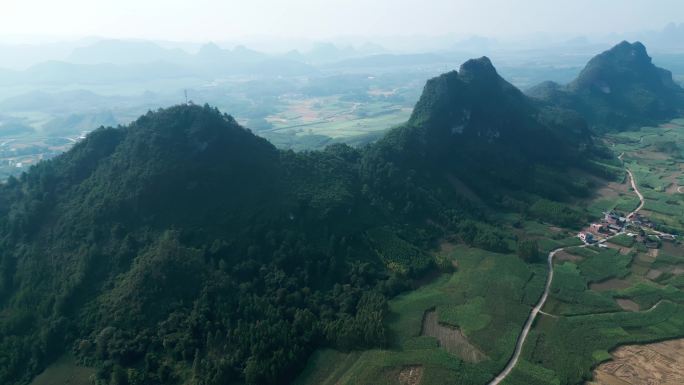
pixel 183 248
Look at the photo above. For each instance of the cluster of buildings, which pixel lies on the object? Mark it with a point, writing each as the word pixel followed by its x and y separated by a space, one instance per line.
pixel 639 220
pixel 614 223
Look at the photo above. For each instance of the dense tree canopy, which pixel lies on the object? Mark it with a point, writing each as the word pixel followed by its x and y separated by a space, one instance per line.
pixel 184 249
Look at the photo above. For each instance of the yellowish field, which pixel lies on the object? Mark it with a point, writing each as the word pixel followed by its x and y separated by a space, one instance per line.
pixel 661 363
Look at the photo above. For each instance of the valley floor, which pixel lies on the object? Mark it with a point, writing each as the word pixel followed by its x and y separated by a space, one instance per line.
pixel 601 298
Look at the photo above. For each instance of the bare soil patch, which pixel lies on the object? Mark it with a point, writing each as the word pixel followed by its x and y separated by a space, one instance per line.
pixel 652 155
pixel 673 249
pixel 645 258
pixel 612 190
pixel 411 375
pixel 446 247
pixel 563 256
pixel 639 269
pixel 661 363
pixel 614 246
pixel 672 189
pixel 627 304
pixel 611 284
pixel 625 250
pixel 653 253
pixel 450 338
pixel 653 274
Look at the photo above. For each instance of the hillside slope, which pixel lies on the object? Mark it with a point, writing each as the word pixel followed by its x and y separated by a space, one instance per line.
pixel 618 89
pixel 477 127
pixel 184 249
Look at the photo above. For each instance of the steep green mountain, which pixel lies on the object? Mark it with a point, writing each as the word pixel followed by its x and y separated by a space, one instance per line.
pixel 475 126
pixel 184 249
pixel 184 238
pixel 618 89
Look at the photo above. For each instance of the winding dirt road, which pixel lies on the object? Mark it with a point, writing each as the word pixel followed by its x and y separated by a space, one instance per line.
pixel 638 193
pixel 537 309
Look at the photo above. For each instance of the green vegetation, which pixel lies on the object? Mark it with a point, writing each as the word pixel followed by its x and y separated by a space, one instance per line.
pixel 65 371
pixel 570 294
pixel 488 298
pixel 398 255
pixel 589 323
pixel 601 264
pixel 280 253
pixel 623 240
pixel 270 269
pixel 558 213
pixel 558 347
pixel 528 250
pixel 619 89
pixel 468 317
pixel 294 257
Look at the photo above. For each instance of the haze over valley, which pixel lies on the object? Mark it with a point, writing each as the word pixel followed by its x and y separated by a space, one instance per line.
pixel 304 95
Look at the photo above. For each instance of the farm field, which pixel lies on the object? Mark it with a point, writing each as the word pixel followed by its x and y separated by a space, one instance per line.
pixel 658 363
pixel 483 311
pixel 462 327
pixel 17 154
pixel 606 299
pixel 306 123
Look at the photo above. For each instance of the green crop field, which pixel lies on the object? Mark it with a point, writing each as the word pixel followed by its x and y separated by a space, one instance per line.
pixel 488 298
pixel 337 119
pixel 586 316
pixel 586 324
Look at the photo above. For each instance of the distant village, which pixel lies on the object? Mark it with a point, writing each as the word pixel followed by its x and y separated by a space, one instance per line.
pixel 640 228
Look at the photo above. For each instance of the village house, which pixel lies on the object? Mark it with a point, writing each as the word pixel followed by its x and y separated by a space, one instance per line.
pixel 614 218
pixel 586 237
pixel 596 227
pixel 668 237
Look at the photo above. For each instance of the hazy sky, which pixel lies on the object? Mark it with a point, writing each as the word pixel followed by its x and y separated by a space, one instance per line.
pixel 200 20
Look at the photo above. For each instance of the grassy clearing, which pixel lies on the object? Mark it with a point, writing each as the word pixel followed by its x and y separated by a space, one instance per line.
pixel 65 372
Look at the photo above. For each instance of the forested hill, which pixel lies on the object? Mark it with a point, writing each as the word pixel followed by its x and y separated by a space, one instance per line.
pixel 185 238
pixel 618 89
pixel 184 249
pixel 474 125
